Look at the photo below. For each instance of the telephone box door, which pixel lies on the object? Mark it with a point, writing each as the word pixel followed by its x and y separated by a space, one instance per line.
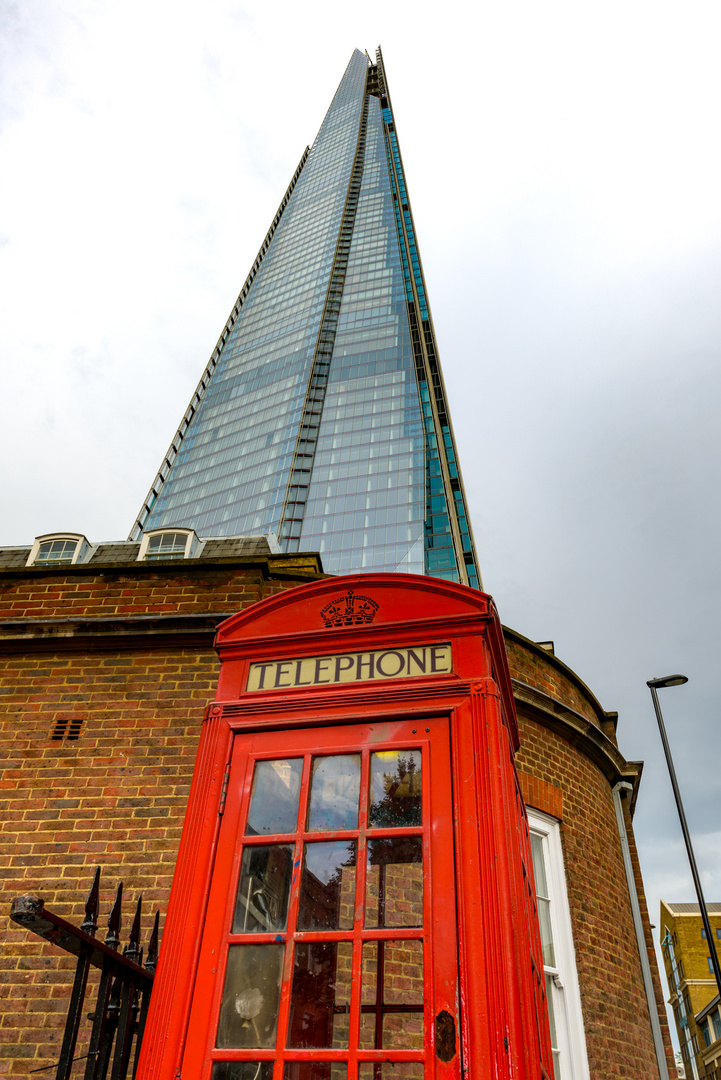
pixel 329 945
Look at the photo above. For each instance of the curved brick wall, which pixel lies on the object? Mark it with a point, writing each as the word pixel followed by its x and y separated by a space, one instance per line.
pixel 570 776
pixel 543 671
pixel 618 1035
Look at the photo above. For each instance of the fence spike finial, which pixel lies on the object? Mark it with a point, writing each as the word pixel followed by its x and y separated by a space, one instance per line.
pixel 152 961
pixel 132 949
pixel 113 938
pixel 90 923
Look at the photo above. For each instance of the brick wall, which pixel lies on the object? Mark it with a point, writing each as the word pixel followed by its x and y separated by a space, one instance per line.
pixel 140 589
pixel 618 1034
pixel 114 797
pixel 560 775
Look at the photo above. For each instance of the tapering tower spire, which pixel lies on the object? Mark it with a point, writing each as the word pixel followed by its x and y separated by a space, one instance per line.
pixel 322 414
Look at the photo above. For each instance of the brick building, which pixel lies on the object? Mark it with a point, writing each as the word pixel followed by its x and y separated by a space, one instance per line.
pixel 108 665
pixel 692 986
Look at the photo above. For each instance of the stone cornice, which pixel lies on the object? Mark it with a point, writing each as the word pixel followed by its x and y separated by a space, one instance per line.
pixel 110 632
pixel 568 673
pixel 580 732
pixel 300 567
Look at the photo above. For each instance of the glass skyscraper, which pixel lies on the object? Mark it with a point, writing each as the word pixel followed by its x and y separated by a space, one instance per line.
pixel 322 414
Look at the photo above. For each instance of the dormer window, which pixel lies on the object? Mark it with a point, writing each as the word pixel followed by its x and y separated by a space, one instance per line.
pixel 168 544
pixel 57 549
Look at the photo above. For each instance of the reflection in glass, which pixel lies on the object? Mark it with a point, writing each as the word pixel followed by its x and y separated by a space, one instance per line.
pixel 391 1070
pixel 249 1009
pixel 369 975
pixel 552 1026
pixel 395 789
pixel 262 902
pixel 327 886
pixel 403 1031
pixel 320 996
pixel 334 792
pixel 542 900
pixel 403 973
pixel 384 1029
pixel 367 1035
pixel 274 800
pixel 394 882
pixel 392 975
pixel 315 1070
pixel 242 1070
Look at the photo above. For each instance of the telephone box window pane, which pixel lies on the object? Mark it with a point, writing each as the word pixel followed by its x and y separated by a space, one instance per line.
pixel 392 975
pixel 242 1070
pixel 263 889
pixel 369 977
pixel 403 1031
pixel 274 800
pixel 367 1038
pixel 320 996
pixel 403 973
pixel 395 789
pixel 334 792
pixel 327 886
pixel 399 1031
pixel 391 1070
pixel 249 1009
pixel 314 1070
pixel 394 881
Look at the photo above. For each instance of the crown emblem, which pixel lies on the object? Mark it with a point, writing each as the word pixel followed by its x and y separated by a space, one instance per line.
pixel 349 610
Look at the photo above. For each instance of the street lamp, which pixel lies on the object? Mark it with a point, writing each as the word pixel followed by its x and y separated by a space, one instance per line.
pixel 660 684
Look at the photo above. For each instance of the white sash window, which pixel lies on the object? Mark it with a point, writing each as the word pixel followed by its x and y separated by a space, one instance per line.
pixel 559 959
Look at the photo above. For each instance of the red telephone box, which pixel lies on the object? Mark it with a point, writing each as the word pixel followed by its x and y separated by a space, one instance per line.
pixel 354 894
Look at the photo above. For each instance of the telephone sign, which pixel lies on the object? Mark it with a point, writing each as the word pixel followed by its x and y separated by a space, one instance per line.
pixel 350 667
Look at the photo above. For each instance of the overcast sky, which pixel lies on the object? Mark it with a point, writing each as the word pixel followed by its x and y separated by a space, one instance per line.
pixel 564 166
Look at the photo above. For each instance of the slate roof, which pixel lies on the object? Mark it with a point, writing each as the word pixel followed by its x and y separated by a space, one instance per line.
pixel 13 557
pixel 126 551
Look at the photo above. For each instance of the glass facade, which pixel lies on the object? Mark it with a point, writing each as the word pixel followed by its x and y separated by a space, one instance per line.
pixel 322 416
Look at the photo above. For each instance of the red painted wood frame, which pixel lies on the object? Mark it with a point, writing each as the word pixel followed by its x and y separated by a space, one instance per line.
pixel 430 741
pixel 494 959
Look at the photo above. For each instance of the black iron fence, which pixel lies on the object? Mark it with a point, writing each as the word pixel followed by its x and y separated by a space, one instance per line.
pixel 123 991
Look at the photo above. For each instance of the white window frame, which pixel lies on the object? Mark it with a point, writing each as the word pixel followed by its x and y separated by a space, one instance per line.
pixel 566 1001
pixel 81 548
pixel 191 543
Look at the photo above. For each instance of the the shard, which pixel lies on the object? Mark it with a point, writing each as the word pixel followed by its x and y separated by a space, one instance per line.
pixel 322 414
